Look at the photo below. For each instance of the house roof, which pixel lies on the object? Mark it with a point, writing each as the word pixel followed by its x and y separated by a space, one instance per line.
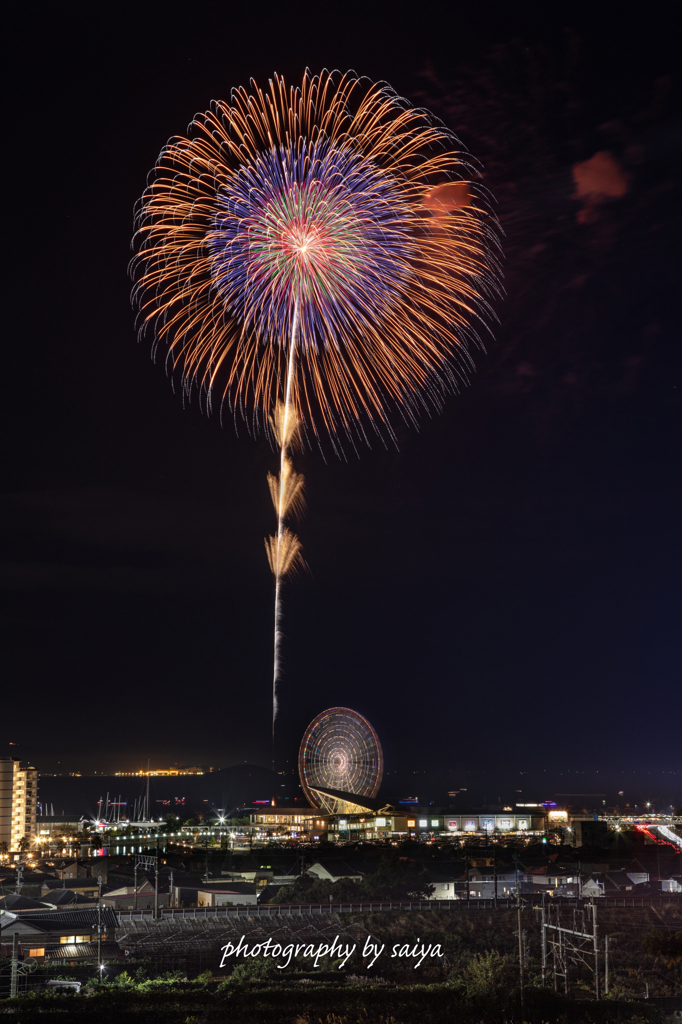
pixel 129 897
pixel 30 878
pixel 65 897
pixel 337 867
pixel 16 902
pixel 85 951
pixel 269 892
pixel 621 879
pixel 129 890
pixel 75 883
pixel 57 920
pixel 238 888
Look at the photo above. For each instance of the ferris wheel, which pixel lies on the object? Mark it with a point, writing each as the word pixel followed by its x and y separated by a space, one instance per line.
pixel 340 751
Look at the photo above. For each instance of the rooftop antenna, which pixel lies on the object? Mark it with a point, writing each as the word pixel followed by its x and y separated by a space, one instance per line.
pixel 147 809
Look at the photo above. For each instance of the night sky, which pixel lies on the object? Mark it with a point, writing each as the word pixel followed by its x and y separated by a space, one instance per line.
pixel 502 593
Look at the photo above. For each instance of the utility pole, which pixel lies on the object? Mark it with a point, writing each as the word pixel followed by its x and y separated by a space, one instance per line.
pixel 468 864
pixel 495 874
pixel 544 944
pixel 522 980
pixel 15 967
pixel 596 949
pixel 606 965
pixel 156 879
pixel 99 932
pixel 135 880
pixel 171 901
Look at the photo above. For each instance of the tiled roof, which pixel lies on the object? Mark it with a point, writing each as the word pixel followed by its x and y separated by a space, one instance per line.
pixel 84 951
pixel 75 883
pixel 65 897
pixel 57 920
pixel 14 902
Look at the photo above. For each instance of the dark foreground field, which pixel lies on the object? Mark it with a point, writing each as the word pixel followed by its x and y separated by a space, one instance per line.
pixel 176 978
pixel 355 1004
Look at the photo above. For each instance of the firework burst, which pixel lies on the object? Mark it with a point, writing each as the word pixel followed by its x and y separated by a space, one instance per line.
pixel 318 257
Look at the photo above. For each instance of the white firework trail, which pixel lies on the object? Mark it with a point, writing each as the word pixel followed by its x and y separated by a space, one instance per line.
pixel 284 549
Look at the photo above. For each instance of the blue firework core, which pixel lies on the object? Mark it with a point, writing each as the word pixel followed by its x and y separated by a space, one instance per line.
pixel 316 224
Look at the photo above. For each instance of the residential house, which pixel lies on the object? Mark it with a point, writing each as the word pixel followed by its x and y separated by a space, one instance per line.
pixel 334 870
pixel 14 903
pixel 146 899
pixel 62 898
pixel 232 894
pixel 41 931
pixel 85 886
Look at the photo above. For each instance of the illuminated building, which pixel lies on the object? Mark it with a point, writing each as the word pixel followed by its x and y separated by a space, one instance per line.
pixel 18 801
pixel 190 770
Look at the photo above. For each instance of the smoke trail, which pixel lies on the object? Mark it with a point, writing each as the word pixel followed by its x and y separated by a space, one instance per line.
pixel 284 550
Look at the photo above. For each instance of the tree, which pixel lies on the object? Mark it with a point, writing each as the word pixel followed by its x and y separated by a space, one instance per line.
pixel 664 943
pixel 171 824
pixel 4 849
pixel 398 878
pixel 308 889
pixel 24 844
pixel 487 974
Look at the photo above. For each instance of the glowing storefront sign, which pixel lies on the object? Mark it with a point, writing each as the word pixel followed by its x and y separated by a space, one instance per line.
pixel 523 823
pixel 381 823
pixel 470 825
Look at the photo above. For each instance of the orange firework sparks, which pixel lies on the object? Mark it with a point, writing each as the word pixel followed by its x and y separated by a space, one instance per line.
pixel 322 195
pixel 317 256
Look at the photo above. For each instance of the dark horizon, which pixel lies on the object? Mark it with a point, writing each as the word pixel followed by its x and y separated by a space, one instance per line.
pixel 241 785
pixel 500 593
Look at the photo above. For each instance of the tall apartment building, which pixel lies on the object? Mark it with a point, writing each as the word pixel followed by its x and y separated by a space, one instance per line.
pixel 18 801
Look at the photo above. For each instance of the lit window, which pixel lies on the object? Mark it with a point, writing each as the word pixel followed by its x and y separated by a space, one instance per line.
pixel 423 822
pixel 411 823
pixel 435 822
